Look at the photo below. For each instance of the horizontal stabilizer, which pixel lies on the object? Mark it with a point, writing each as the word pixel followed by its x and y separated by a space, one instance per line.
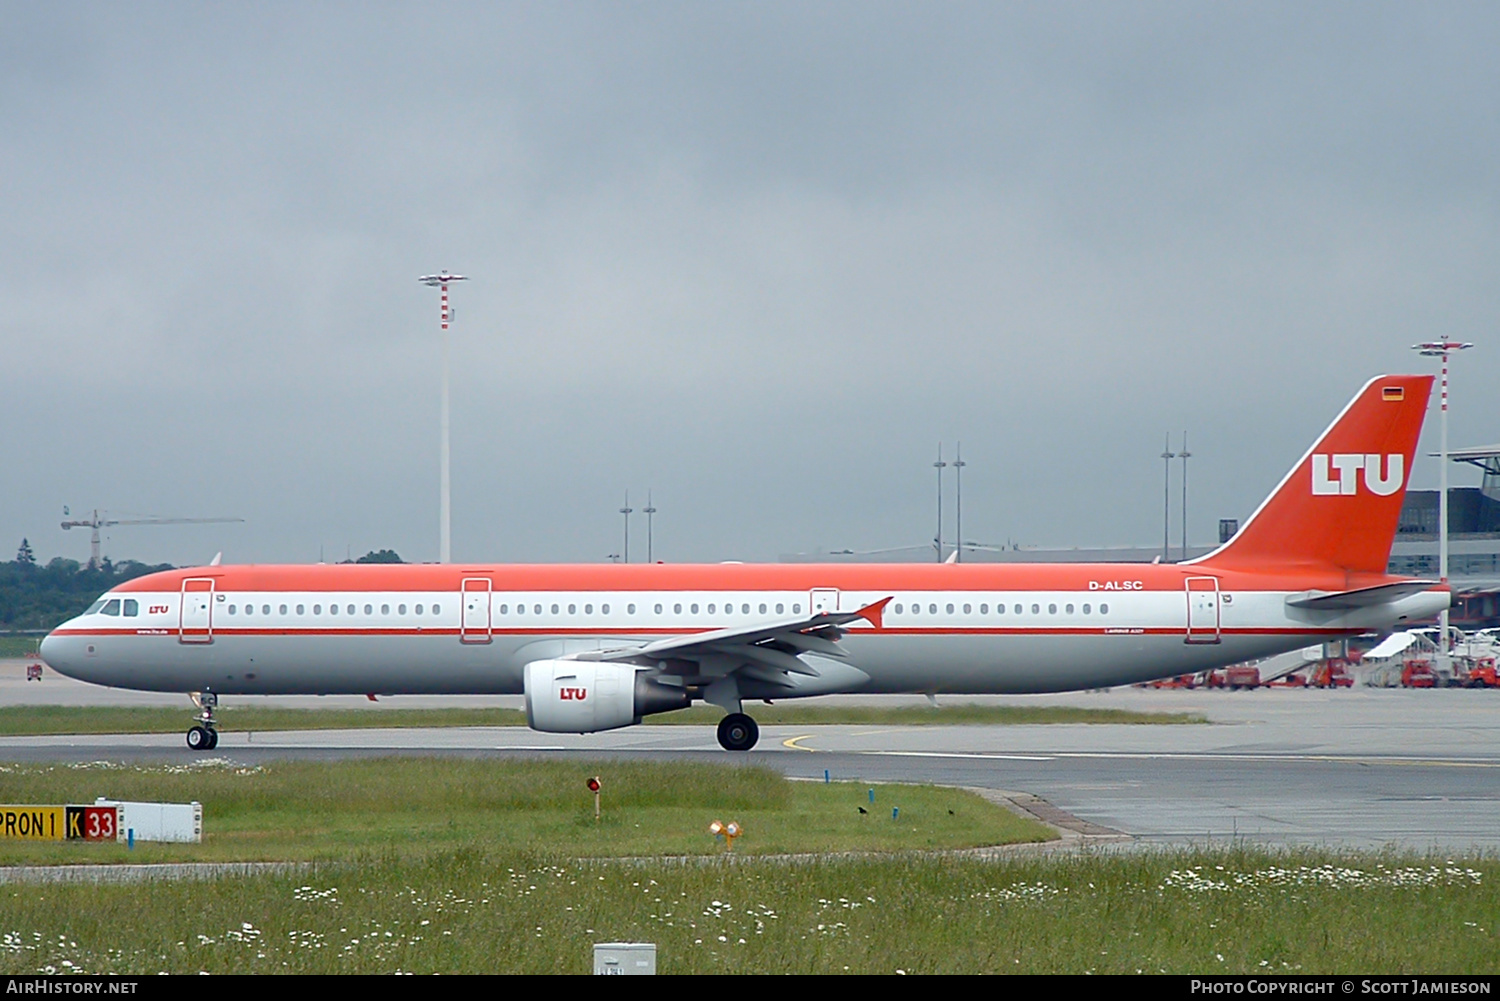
pixel 1360 597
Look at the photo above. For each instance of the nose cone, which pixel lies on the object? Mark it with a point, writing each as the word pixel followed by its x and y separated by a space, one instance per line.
pixel 62 653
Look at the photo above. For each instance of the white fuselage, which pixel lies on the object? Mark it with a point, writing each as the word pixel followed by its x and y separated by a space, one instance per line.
pixel 472 639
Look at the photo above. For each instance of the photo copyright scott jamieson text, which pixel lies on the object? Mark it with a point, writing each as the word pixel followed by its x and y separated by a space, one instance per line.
pixel 1361 985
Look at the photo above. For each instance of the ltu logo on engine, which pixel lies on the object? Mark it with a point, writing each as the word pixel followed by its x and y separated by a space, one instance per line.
pixel 1345 467
pixel 572 694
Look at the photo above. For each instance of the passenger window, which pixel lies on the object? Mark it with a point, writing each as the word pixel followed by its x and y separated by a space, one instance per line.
pixel 437 610
pixel 333 609
pixel 418 609
pixel 1069 609
pixel 317 609
pixel 1051 609
pixel 112 607
pixel 401 609
pixel 630 609
pixel 588 609
pixel 301 609
pixel 535 609
pixel 677 608
pixel 249 609
pixel 265 609
pixel 898 608
pixel 950 608
pixel 604 609
pixel 108 612
pixel 1103 609
pixel 694 608
pixel 385 609
pixel 796 608
pixel 283 609
pixel 1017 609
pixel 350 609
pixel 999 609
pixel 504 610
pixel 931 609
pixel 710 609
pixel 658 608
pixel 984 609
pixel 1036 609
pixel 572 609
pixel 763 608
pixel 132 607
pixel 780 608
pixel 745 609
pixel 968 608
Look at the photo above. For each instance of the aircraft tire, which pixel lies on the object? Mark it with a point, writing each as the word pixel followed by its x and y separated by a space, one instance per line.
pixel 213 739
pixel 199 739
pixel 738 732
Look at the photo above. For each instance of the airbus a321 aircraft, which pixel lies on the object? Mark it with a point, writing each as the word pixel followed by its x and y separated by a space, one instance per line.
pixel 598 647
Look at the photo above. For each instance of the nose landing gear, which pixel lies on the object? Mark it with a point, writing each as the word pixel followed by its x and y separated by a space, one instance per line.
pixel 204 736
pixel 738 732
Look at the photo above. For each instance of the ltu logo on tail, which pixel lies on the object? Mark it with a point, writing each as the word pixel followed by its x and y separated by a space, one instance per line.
pixel 1345 467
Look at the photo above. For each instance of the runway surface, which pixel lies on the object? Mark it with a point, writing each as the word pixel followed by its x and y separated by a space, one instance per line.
pixel 1361 768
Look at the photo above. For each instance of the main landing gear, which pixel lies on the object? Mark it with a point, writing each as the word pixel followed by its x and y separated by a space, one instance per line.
pixel 738 732
pixel 204 736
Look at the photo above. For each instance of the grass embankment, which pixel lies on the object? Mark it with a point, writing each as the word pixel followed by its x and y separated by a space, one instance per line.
pixel 411 807
pixel 473 911
pixel 12 647
pixel 37 720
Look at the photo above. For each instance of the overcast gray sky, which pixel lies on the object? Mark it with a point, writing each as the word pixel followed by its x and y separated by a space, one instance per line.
pixel 758 258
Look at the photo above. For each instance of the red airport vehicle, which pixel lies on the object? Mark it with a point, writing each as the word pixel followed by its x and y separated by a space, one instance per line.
pixel 1333 673
pixel 1241 676
pixel 1483 674
pixel 33 672
pixel 1418 673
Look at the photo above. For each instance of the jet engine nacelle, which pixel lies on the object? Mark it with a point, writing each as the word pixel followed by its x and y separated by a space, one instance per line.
pixel 582 696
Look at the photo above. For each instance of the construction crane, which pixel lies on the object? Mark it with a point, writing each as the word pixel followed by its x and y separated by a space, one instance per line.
pixel 96 522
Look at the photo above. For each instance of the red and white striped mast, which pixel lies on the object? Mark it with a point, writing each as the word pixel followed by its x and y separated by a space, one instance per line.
pixel 1443 348
pixel 445 316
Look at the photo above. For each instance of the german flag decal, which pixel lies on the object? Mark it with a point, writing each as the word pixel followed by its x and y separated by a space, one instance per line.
pixel 1393 394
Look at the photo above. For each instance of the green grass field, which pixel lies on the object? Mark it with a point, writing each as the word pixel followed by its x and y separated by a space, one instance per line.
pixel 469 910
pixel 411 807
pixel 481 866
pixel 36 720
pixel 18 646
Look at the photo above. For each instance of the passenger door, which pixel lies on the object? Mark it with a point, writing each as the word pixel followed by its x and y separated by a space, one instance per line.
pixel 476 625
pixel 1202 610
pixel 195 622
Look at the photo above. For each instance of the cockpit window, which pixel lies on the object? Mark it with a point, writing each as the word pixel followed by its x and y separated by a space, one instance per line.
pixel 95 607
pixel 111 607
pixel 132 607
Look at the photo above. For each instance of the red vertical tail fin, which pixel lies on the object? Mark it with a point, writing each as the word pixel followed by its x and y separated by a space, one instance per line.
pixel 1339 506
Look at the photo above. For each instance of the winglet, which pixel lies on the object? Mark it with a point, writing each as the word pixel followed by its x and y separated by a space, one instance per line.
pixel 872 613
pixel 218 557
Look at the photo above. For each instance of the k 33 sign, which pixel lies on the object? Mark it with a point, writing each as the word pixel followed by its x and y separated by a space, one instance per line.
pixel 59 823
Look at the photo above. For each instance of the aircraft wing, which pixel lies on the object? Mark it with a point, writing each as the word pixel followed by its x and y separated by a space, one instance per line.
pixel 767 651
pixel 1361 597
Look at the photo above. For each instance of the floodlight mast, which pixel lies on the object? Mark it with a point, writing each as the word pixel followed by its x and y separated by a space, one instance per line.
pixel 1167 456
pixel 1443 349
pixel 440 281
